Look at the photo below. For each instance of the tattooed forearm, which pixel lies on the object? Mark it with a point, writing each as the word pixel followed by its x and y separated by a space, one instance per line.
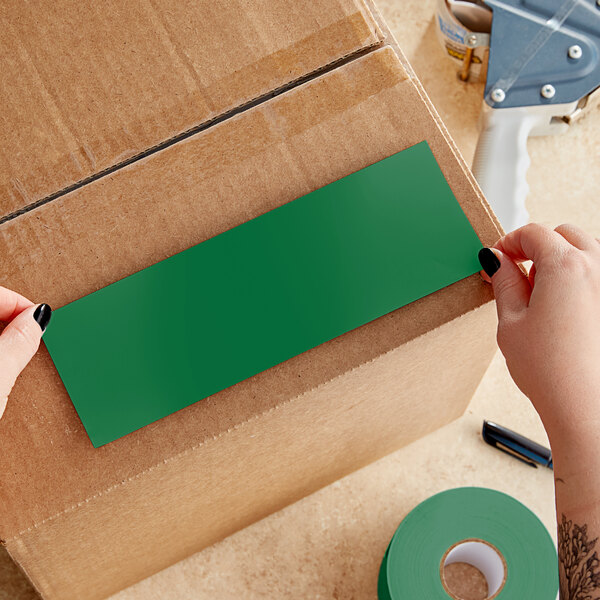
pixel 578 563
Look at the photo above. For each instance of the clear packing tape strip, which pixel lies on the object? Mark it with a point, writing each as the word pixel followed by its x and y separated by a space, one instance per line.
pixel 487 529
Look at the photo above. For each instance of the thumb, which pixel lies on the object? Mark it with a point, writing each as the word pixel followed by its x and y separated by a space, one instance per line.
pixel 18 343
pixel 511 286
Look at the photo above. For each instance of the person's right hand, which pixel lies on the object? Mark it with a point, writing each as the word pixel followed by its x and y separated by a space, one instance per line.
pixel 549 322
pixel 549 333
pixel 20 339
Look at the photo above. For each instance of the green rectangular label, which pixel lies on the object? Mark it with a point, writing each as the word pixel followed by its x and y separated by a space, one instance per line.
pixel 260 293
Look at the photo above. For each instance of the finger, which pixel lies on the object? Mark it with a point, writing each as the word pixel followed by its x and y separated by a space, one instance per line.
pixel 18 343
pixel 577 237
pixel 531 276
pixel 532 242
pixel 11 304
pixel 511 287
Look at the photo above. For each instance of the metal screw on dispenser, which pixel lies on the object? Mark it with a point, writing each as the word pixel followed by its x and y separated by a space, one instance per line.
pixel 575 52
pixel 472 40
pixel 498 95
pixel 548 91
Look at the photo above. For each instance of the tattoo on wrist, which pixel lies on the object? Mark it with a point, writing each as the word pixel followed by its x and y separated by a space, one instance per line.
pixel 578 563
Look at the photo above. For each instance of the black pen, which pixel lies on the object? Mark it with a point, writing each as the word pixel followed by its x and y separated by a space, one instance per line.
pixel 516 445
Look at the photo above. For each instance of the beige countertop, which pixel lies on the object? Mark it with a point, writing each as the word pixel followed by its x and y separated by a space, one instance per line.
pixel 330 544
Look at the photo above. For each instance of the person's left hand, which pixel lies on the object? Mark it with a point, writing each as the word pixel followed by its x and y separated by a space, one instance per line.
pixel 20 339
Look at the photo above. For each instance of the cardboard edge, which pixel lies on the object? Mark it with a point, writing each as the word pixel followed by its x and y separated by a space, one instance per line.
pixel 231 429
pixel 392 42
pixel 23 570
pixel 381 30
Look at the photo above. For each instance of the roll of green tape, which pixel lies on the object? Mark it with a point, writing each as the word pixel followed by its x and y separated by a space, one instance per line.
pixel 483 527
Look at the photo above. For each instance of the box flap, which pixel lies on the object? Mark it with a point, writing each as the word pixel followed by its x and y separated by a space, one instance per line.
pixel 271 154
pixel 85 87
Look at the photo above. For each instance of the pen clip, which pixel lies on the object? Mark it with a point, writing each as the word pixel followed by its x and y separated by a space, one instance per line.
pixel 514 454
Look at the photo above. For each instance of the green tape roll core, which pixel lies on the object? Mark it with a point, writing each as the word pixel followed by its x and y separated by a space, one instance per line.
pixel 410 569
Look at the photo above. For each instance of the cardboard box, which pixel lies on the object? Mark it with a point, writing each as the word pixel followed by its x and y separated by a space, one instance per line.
pixel 85 522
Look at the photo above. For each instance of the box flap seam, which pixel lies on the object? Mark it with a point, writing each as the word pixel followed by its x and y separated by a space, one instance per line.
pixel 253 102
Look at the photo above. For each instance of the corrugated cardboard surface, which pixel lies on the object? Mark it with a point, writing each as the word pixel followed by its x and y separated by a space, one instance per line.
pixel 164 204
pixel 86 86
pixel 51 477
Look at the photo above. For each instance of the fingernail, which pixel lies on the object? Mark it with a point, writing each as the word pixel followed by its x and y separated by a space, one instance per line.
pixel 489 261
pixel 42 315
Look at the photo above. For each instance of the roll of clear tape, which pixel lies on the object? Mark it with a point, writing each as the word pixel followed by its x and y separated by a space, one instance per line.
pixel 486 529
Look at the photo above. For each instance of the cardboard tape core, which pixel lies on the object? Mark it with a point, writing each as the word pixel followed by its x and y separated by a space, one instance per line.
pixel 485 558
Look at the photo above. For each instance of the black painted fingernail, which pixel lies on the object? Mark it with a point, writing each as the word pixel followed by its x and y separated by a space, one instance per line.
pixel 489 261
pixel 42 315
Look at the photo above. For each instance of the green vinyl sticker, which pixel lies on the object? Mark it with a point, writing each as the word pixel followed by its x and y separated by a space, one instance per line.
pixel 263 292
